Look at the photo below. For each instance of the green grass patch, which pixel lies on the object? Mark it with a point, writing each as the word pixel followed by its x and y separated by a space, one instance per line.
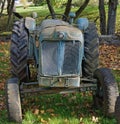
pixel 117 76
pixel 60 109
pixel 5 33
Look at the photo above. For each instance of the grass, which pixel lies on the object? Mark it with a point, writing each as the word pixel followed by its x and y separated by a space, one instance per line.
pixel 53 109
pixel 117 75
pixel 59 109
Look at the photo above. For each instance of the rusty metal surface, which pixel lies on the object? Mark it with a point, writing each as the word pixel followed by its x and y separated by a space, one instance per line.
pixel 59 82
pixel 50 27
pixel 52 23
pixel 61 90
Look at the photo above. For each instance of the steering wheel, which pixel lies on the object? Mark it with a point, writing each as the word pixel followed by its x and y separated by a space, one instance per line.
pixel 63 16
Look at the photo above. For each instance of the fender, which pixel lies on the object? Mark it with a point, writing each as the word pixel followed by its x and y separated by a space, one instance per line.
pixel 30 23
pixel 82 23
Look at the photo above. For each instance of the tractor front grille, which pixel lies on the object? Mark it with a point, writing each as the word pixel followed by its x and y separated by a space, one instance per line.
pixel 60 58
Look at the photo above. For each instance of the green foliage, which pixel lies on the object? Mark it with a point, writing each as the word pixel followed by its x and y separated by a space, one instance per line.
pixel 55 3
pixel 58 3
pixel 77 2
pixel 117 75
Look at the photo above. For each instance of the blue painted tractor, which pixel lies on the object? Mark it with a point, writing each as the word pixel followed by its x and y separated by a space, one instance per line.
pixel 65 55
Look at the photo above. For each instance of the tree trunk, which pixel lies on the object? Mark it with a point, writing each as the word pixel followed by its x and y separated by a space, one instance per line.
pixel 82 7
pixel 10 10
pixel 51 9
pixel 102 17
pixel 8 6
pixel 112 16
pixel 2 3
pixel 68 8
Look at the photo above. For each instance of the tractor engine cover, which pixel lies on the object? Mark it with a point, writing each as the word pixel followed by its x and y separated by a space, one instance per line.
pixel 61 49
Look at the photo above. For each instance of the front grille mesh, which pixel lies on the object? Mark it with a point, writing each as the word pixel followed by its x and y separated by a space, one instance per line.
pixel 71 58
pixel 60 58
pixel 50 58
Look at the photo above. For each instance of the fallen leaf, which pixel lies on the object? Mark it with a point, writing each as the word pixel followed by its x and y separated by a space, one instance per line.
pixel 94 119
pixel 36 111
pixel 43 121
pixel 81 119
pixel 42 111
pixel 50 110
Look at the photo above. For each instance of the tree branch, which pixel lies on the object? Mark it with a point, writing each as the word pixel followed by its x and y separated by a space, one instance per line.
pixel 68 8
pixel 82 7
pixel 10 11
pixel 51 9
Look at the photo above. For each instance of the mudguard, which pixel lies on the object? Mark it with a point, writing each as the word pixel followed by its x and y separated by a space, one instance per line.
pixel 82 23
pixel 30 23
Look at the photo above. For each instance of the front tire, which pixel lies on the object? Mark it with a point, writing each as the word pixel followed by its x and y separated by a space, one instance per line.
pixel 13 100
pixel 107 91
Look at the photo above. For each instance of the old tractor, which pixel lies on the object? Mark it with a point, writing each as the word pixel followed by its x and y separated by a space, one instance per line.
pixel 65 55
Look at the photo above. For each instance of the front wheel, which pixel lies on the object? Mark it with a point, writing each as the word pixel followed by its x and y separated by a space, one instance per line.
pixel 117 110
pixel 13 100
pixel 107 91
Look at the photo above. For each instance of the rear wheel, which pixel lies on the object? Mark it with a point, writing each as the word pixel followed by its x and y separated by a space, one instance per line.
pixel 107 91
pixel 13 100
pixel 117 110
pixel 19 50
pixel 91 51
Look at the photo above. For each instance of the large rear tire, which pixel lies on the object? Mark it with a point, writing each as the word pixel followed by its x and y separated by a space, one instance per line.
pixel 91 51
pixel 13 100
pixel 107 91
pixel 117 110
pixel 19 51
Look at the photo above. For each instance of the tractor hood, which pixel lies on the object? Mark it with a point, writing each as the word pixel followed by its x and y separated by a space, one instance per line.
pixel 52 29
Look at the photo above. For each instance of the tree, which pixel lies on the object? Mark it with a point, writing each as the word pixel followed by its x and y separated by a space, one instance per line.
pixel 68 8
pixel 10 7
pixel 108 27
pixel 112 16
pixel 102 17
pixel 79 11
